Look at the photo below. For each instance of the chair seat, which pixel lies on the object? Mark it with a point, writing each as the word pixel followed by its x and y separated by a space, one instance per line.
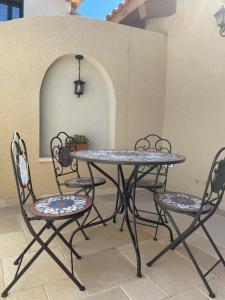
pixel 149 184
pixel 84 182
pixel 58 207
pixel 180 202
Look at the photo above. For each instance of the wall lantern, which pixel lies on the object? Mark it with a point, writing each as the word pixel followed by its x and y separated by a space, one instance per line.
pixel 79 84
pixel 220 19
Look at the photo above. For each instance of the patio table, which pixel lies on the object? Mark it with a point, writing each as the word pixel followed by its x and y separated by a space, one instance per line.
pixel 126 188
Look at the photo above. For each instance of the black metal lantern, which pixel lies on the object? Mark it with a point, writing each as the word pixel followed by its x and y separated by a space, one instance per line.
pixel 79 84
pixel 220 19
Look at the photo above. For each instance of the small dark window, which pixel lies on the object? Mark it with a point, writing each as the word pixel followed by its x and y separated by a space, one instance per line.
pixel 11 9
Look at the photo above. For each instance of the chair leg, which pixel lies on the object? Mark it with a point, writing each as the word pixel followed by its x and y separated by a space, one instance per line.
pixel 160 218
pixel 121 227
pixel 117 202
pixel 87 192
pixel 66 242
pixel 99 215
pixel 211 294
pixel 159 211
pixel 16 262
pixel 83 232
pixel 44 247
pixel 17 277
pixel 213 244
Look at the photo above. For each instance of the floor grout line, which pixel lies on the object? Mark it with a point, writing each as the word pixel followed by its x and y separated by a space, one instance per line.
pixel 46 292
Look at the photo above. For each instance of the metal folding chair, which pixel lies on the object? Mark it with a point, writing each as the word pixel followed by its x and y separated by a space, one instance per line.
pixel 156 180
pixel 68 208
pixel 200 209
pixel 65 165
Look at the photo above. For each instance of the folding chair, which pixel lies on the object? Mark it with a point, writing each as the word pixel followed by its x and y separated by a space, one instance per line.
pixel 200 209
pixel 156 180
pixel 68 209
pixel 65 165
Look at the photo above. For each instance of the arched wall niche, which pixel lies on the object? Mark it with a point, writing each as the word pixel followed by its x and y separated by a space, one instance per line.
pixel 93 114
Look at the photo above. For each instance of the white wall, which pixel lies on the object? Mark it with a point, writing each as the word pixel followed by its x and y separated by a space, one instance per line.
pixel 62 110
pixel 46 7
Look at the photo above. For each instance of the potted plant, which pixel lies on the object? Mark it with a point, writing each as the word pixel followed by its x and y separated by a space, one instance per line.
pixel 78 143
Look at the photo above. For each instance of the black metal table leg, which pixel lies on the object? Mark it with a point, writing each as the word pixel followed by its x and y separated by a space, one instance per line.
pixel 126 194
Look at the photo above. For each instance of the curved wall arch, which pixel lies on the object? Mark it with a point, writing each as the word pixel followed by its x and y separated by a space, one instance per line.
pixel 93 114
pixel 122 55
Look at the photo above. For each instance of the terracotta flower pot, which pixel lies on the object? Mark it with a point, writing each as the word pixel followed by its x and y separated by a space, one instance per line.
pixel 81 147
pixel 78 147
pixel 75 3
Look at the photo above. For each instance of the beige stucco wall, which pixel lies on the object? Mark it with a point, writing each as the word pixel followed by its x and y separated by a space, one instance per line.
pixel 195 99
pixel 133 59
pixel 46 8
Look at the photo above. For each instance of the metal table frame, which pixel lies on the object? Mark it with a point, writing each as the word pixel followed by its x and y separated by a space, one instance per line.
pixel 126 191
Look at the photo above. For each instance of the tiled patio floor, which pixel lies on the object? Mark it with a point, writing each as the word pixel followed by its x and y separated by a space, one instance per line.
pixel 107 267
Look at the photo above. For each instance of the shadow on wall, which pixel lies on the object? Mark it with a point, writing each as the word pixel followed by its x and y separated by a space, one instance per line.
pixel 93 114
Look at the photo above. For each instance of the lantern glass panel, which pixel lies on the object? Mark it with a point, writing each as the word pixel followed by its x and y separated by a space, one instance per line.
pixel 79 87
pixel 220 17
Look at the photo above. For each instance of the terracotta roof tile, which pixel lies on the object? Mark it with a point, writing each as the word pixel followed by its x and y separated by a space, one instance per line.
pixel 118 9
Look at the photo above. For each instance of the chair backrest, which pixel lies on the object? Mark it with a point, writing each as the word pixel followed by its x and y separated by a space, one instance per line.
pixel 63 163
pixel 21 170
pixel 154 142
pixel 215 185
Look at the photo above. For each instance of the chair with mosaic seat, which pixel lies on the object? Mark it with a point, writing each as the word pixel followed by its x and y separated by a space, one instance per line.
pixel 66 208
pixel 156 180
pixel 64 165
pixel 199 209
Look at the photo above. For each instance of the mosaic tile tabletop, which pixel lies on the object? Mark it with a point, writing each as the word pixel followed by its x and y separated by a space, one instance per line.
pixel 128 157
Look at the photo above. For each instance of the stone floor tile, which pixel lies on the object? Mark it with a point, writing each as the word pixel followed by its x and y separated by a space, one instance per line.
pixel 143 289
pixel 217 285
pixel 9 202
pixel 9 211
pixel 101 237
pixel 103 270
pixel 12 296
pixel 113 294
pixel 204 260
pixel 215 226
pixel 172 272
pixel 10 224
pixel 203 244
pixel 192 294
pixel 12 244
pixel 37 293
pixel 64 289
pixel 42 271
pixel 2 281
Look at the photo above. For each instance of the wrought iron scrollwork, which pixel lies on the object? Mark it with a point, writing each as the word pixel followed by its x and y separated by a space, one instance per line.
pixel 58 143
pixel 215 186
pixel 24 185
pixel 63 164
pixel 154 142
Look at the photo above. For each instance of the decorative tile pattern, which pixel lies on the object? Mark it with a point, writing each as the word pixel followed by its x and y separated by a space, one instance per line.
pixel 180 201
pixel 149 183
pixel 23 167
pixel 57 206
pixel 84 182
pixel 65 158
pixel 129 157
